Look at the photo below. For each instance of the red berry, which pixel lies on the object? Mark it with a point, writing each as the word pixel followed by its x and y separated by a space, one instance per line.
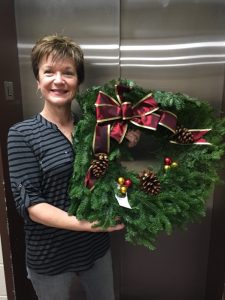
pixel 127 182
pixel 167 161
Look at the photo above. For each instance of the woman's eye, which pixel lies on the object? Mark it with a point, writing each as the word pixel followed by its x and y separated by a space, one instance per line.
pixel 48 72
pixel 69 73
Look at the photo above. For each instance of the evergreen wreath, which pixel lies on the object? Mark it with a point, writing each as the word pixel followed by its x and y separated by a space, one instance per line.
pixel 162 198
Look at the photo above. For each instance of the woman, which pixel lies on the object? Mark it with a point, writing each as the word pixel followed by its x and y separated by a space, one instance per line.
pixel 58 245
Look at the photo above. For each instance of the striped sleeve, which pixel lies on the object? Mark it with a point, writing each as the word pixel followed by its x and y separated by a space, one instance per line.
pixel 24 173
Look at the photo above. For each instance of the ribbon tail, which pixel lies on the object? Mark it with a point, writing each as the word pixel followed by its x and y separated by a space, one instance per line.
pixel 198 136
pixel 147 121
pixel 168 120
pixel 101 139
pixel 101 143
pixel 118 131
pixel 89 180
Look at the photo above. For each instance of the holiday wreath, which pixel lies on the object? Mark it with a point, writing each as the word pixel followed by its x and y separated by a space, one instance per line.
pixel 186 146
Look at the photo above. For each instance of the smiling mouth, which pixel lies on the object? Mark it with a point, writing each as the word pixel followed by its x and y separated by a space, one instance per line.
pixel 59 91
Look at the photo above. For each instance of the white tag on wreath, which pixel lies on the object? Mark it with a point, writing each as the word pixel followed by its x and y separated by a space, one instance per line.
pixel 123 201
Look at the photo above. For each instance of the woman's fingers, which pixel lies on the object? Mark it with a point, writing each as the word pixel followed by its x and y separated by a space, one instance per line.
pixel 133 137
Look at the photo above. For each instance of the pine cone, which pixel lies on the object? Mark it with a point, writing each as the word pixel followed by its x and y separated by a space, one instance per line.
pixel 149 183
pixel 99 165
pixel 183 135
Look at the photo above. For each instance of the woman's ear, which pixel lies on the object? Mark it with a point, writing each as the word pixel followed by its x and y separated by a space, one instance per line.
pixel 38 92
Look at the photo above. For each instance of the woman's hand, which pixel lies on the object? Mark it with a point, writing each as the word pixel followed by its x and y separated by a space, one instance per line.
pixel 91 227
pixel 133 137
pixel 52 216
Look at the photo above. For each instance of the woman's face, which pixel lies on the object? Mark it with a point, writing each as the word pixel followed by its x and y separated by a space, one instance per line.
pixel 57 80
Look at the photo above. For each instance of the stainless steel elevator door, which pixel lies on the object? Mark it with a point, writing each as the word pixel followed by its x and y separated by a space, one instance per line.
pixel 174 46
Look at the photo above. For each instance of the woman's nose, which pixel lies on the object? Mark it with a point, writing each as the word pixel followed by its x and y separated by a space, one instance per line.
pixel 58 77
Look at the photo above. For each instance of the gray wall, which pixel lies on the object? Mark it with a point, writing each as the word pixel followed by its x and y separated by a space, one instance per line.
pixel 165 44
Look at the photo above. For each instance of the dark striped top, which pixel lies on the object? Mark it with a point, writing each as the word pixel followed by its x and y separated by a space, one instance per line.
pixel 40 165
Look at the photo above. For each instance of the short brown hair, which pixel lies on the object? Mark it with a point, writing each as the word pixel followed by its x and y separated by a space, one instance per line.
pixel 59 47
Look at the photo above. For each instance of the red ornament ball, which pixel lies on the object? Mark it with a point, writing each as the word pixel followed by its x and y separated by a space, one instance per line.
pixel 167 161
pixel 128 183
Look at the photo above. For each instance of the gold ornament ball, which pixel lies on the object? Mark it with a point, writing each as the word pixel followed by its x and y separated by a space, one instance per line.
pixel 174 165
pixel 121 180
pixel 166 167
pixel 123 189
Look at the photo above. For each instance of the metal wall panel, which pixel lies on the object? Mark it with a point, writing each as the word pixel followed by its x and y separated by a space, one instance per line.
pixel 175 45
pixel 92 24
